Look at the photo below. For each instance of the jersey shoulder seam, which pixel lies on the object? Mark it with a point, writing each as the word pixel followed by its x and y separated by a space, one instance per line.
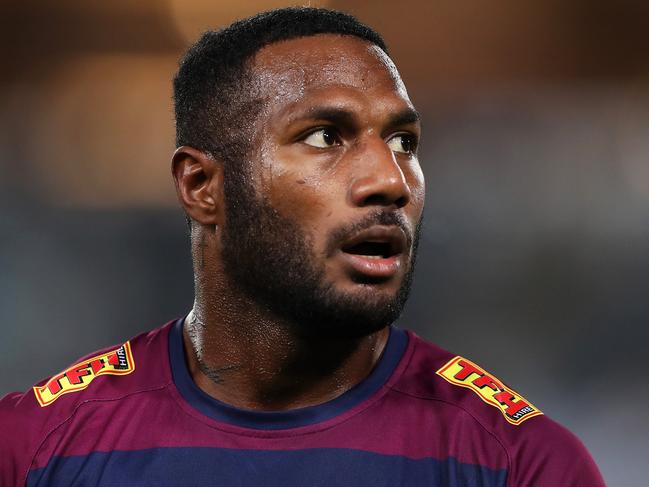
pixel 74 412
pixel 477 420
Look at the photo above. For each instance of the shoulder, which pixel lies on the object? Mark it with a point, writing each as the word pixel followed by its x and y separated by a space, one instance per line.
pixel 27 418
pixel 540 451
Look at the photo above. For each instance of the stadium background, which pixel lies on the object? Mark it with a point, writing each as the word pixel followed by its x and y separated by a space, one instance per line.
pixel 535 254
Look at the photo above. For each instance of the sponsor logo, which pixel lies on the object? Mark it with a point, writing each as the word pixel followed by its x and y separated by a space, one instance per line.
pixel 79 376
pixel 513 406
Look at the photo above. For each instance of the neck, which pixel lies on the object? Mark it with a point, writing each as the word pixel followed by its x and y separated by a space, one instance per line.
pixel 243 356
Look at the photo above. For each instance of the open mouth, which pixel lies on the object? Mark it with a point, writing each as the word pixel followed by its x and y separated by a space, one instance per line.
pixel 375 252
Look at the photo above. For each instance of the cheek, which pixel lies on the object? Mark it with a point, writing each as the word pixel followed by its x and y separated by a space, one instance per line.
pixel 315 208
pixel 310 202
pixel 302 187
pixel 417 184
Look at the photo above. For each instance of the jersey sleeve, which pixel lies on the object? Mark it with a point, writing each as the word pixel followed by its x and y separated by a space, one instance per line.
pixel 14 441
pixel 554 456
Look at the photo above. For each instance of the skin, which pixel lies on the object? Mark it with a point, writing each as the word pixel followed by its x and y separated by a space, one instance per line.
pixel 239 351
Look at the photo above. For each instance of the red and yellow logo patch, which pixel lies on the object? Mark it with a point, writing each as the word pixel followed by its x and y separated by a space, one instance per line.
pixel 513 406
pixel 79 376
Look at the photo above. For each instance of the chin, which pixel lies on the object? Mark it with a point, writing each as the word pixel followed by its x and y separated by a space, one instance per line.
pixel 351 313
pixel 340 330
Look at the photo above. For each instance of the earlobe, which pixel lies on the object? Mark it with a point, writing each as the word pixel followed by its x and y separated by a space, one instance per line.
pixel 199 184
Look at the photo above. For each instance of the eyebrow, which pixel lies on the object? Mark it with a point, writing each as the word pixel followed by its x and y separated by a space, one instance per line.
pixel 406 116
pixel 338 116
pixel 341 116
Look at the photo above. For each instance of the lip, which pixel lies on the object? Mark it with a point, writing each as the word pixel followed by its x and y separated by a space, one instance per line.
pixel 373 267
pixel 376 267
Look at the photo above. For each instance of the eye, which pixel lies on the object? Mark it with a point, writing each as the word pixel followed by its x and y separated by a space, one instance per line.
pixel 403 143
pixel 322 138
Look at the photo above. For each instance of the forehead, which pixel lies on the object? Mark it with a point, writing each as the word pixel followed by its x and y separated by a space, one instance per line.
pixel 289 70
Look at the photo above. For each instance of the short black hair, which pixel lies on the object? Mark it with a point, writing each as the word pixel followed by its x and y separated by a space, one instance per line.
pixel 212 109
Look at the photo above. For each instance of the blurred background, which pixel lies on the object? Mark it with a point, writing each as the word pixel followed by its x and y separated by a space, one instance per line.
pixel 534 260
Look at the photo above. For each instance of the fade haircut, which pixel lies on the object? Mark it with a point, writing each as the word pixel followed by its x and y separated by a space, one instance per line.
pixel 214 107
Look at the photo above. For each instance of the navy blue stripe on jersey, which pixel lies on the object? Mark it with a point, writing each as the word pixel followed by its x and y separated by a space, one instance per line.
pixel 394 350
pixel 162 467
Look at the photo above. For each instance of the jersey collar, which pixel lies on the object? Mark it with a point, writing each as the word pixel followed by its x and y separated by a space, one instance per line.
pixel 295 418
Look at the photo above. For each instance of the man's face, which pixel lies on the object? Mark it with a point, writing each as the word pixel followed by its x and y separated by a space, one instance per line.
pixel 322 220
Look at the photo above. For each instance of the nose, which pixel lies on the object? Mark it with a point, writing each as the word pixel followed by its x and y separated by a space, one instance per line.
pixel 378 178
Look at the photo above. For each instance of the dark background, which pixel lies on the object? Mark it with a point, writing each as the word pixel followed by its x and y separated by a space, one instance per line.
pixel 534 258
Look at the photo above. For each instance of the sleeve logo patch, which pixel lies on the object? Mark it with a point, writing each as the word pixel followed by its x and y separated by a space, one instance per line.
pixel 514 407
pixel 79 376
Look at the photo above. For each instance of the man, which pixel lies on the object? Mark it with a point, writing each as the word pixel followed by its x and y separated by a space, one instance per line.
pixel 297 168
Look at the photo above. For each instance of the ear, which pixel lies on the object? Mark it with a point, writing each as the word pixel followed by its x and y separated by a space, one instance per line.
pixel 199 185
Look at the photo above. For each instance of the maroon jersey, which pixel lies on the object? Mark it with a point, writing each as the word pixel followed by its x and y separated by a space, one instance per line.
pixel 131 415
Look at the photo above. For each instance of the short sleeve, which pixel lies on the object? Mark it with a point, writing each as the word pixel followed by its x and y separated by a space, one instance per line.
pixel 554 456
pixel 14 443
